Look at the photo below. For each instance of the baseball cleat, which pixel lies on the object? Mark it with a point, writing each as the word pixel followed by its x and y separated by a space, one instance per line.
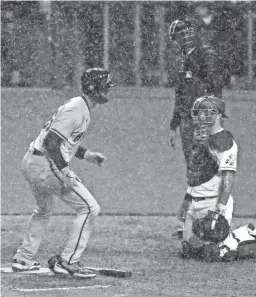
pixel 24 265
pixel 60 267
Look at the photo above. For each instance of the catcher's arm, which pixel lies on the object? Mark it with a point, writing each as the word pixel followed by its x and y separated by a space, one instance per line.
pixel 226 186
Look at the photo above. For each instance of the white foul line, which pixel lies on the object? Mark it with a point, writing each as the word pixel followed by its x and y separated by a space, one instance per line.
pixel 64 288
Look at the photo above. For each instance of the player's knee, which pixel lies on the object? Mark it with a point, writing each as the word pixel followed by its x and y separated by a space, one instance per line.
pixel 92 210
pixel 95 210
pixel 43 213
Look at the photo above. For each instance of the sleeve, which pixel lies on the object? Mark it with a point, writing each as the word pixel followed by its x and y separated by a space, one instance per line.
pixel 176 118
pixel 228 159
pixel 64 124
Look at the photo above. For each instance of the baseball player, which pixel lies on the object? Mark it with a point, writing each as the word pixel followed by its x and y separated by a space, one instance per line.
pixel 46 168
pixel 211 167
pixel 199 74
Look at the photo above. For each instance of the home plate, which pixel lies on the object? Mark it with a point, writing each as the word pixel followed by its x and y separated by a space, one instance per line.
pixel 45 271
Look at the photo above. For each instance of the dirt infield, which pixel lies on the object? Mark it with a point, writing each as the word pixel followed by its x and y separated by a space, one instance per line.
pixel 143 245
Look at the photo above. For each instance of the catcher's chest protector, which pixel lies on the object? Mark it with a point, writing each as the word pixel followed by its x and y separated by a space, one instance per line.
pixel 202 166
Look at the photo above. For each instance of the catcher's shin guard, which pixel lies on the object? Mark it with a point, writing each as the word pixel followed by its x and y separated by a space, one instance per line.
pixel 210 253
pixel 246 250
pixel 188 251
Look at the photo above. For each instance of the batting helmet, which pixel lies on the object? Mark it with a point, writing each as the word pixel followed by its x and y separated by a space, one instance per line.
pixel 95 83
pixel 183 32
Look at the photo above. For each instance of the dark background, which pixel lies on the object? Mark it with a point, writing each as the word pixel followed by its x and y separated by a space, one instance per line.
pixel 43 48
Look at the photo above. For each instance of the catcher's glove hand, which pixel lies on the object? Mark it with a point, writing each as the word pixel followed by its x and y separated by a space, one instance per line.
pixel 213 227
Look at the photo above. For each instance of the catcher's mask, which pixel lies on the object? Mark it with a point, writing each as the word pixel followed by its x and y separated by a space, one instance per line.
pixel 203 113
pixel 183 33
pixel 95 83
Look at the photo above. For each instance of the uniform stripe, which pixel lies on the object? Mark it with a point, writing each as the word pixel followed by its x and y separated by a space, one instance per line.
pixel 81 231
pixel 59 134
pixel 227 168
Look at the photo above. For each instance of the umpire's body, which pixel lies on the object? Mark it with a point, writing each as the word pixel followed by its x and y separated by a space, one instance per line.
pixel 201 71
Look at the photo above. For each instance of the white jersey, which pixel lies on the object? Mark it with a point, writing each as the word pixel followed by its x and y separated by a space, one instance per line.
pixel 70 122
pixel 227 160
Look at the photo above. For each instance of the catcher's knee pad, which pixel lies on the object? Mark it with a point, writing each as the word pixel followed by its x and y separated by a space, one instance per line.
pixel 210 253
pixel 246 250
pixel 188 251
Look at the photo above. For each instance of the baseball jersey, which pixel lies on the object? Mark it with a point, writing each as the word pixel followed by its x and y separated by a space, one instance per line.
pixel 70 123
pixel 227 160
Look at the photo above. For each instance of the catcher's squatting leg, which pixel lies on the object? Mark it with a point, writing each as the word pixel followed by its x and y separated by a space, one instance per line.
pixel 45 183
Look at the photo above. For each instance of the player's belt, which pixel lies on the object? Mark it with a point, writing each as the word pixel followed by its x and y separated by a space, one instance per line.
pixel 37 153
pixel 196 199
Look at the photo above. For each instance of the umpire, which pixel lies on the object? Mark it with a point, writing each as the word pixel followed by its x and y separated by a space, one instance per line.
pixel 201 71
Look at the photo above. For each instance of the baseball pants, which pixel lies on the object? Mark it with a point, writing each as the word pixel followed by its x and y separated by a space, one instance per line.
pixel 199 209
pixel 45 185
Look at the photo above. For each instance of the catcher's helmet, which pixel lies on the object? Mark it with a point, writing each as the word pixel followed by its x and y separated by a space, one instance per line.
pixel 203 111
pixel 183 32
pixel 95 83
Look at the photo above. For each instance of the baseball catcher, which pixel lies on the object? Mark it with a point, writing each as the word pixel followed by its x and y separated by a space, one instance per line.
pixel 210 177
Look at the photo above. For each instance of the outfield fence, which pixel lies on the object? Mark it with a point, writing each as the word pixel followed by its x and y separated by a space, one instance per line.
pixel 49 43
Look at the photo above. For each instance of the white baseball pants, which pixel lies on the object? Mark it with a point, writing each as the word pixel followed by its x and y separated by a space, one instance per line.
pixel 44 185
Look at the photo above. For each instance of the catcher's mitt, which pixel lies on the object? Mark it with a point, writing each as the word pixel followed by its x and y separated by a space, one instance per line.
pixel 213 227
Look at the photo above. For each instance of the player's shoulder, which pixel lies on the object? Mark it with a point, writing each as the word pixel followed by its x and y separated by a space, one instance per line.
pixel 77 105
pixel 222 141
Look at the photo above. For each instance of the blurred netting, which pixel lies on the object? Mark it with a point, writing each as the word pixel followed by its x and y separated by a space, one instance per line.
pixel 48 44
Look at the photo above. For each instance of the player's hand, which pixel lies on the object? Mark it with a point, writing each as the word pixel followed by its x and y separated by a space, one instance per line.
pixel 69 178
pixel 181 215
pixel 173 137
pixel 94 157
pixel 221 209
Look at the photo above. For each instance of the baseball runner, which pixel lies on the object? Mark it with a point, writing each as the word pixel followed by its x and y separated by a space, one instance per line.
pixel 211 169
pixel 46 168
pixel 199 73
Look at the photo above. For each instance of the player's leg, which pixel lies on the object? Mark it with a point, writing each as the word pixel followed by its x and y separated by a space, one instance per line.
pixel 187 136
pixel 186 133
pixel 87 208
pixel 36 227
pixel 43 183
pixel 190 244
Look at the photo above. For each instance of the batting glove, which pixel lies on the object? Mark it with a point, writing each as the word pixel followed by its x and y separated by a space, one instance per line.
pixel 96 158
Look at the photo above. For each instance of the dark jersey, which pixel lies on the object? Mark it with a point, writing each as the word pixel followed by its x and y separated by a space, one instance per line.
pixel 199 74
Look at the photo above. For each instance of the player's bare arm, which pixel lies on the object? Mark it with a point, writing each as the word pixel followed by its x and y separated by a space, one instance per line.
pixel 226 186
